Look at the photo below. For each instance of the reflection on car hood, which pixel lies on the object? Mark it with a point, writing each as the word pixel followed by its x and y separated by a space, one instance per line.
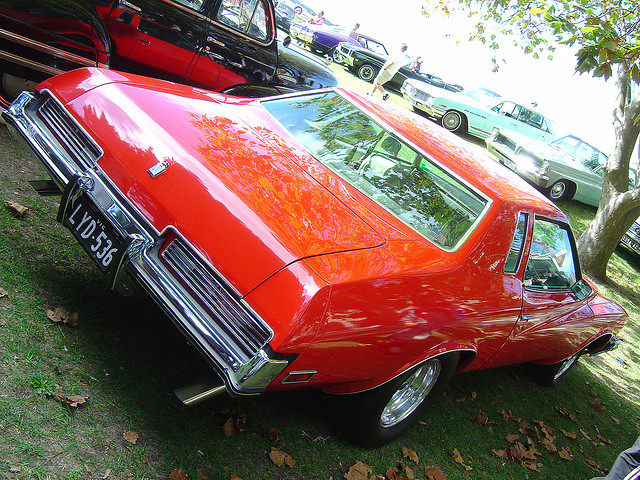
pixel 230 189
pixel 543 150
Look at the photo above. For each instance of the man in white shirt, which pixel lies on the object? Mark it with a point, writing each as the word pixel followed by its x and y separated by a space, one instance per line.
pixel 389 69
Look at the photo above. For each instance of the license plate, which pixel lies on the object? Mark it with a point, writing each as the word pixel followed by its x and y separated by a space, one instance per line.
pixel 96 235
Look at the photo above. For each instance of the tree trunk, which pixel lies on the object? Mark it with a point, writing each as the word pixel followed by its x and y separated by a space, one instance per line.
pixel 619 207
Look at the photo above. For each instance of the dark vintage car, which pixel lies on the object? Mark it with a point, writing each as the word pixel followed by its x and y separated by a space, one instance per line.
pixel 315 240
pixel 222 45
pixel 631 239
pixel 324 39
pixel 366 62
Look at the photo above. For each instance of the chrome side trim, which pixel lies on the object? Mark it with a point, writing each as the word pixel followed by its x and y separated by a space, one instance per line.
pixel 48 49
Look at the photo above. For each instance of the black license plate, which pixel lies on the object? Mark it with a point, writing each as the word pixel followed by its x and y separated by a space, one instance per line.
pixel 96 235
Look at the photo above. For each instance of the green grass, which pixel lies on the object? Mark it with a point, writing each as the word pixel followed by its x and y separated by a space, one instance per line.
pixel 126 358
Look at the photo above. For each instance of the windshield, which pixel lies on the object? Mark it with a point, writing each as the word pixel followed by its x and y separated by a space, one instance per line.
pixel 392 173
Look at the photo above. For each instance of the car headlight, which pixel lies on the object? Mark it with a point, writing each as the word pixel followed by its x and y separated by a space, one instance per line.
pixel 544 167
pixel 409 89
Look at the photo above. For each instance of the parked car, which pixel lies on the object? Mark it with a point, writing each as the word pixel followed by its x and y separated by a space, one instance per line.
pixel 366 61
pixel 317 240
pixel 565 168
pixel 218 45
pixel 631 239
pixel 324 39
pixel 477 112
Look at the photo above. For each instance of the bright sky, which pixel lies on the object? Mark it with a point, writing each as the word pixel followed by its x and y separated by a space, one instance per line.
pixel 577 104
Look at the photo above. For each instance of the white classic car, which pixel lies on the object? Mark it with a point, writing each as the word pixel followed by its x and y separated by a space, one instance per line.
pixel 476 112
pixel 566 168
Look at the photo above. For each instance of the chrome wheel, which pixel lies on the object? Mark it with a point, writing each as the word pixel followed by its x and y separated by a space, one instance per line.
pixel 452 121
pixel 367 73
pixel 558 190
pixel 337 56
pixel 410 394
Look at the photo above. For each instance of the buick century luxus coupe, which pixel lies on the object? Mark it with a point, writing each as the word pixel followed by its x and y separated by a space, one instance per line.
pixel 316 240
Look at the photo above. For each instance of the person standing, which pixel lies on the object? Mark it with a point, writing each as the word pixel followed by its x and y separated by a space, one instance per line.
pixel 388 70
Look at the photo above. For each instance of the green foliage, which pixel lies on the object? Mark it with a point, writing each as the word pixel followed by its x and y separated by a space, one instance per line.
pixel 606 32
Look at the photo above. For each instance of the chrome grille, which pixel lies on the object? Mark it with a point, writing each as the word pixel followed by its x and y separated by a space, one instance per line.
pixel 248 331
pixel 421 96
pixel 77 143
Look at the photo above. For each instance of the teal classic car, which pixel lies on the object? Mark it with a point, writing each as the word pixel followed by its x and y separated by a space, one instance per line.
pixel 476 112
pixel 565 168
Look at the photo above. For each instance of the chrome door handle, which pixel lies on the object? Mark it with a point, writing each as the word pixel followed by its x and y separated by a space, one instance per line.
pixel 526 317
pixel 130 6
pixel 215 41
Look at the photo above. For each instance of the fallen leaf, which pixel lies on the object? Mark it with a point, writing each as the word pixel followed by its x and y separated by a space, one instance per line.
pixel 227 428
pixel 456 457
pixel 274 436
pixel 512 438
pixel 435 474
pixel 233 476
pixel 481 418
pixel 565 453
pixel 615 420
pixel 3 292
pixel 410 454
pixel 16 208
pixel 131 437
pixel 604 440
pixel 585 434
pixel 565 413
pixel 358 471
pixel 106 474
pixel 177 474
pixel 72 401
pixel 569 434
pixel 549 445
pixel 409 473
pixel 281 458
pixel 394 474
pixel 62 314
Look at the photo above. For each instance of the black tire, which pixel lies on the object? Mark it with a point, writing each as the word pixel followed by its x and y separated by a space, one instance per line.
pixel 453 121
pixel 367 72
pixel 380 415
pixel 336 56
pixel 550 375
pixel 560 190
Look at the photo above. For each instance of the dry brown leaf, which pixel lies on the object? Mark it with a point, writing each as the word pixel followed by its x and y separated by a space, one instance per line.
pixel 435 474
pixel 604 440
pixel 594 465
pixel 410 454
pixel 549 445
pixel 615 420
pixel 512 438
pixel 565 453
pixel 106 474
pixel 274 436
pixel 72 401
pixel 585 434
pixel 178 474
pixel 481 418
pixel 565 413
pixel 456 457
pixel 394 474
pixel 131 437
pixel 62 315
pixel 358 471
pixel 281 458
pixel 531 465
pixel 505 414
pixel 227 428
pixel 233 476
pixel 569 434
pixel 17 209
pixel 409 473
pixel 3 292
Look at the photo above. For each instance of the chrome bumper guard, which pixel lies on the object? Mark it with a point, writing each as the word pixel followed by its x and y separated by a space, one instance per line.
pixel 243 373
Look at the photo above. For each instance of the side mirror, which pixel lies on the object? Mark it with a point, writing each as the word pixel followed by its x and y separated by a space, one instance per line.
pixel 287 41
pixel 581 289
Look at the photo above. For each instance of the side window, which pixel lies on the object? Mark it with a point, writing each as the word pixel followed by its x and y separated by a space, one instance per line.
pixel 508 109
pixel 193 4
pixel 530 118
pixel 551 263
pixel 517 245
pixel 247 16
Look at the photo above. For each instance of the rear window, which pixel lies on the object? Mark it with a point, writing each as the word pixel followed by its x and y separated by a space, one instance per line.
pixel 394 174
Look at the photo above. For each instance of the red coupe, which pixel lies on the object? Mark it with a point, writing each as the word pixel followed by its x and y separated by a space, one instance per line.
pixel 316 240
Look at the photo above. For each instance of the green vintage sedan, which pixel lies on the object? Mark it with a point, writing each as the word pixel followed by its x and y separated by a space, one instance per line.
pixel 565 168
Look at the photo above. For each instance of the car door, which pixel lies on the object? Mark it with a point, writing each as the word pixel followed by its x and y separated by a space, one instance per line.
pixel 159 38
pixel 241 39
pixel 555 320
